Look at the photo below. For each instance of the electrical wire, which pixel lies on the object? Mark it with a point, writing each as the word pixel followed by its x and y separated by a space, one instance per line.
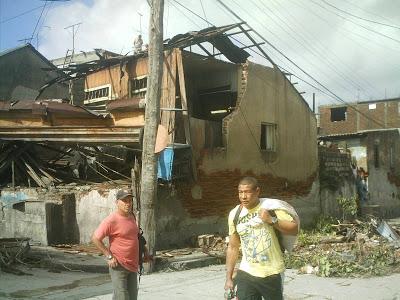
pixel 303 71
pixel 37 23
pixel 332 94
pixel 321 50
pixel 358 17
pixel 22 14
pixel 304 45
pixel 355 23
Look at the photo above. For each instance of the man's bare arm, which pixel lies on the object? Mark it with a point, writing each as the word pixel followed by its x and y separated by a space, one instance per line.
pixel 232 254
pixel 100 245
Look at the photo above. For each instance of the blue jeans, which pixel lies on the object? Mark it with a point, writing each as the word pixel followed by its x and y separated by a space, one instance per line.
pixel 125 283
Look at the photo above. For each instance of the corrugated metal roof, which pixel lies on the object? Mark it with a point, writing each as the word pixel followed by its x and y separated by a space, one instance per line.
pixel 356 134
pixel 44 107
pixel 75 134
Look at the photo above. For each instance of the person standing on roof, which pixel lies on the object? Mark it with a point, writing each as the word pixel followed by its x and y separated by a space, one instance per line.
pixel 123 252
pixel 137 44
pixel 253 227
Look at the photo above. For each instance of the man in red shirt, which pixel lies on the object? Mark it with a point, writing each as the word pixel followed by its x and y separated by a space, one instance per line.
pixel 123 252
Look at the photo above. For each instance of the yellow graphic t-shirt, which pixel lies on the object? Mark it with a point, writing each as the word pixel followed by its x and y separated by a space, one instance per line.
pixel 261 253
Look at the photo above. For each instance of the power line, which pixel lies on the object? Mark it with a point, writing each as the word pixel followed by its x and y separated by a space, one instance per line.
pixel 322 50
pixel 21 14
pixel 358 17
pixel 350 38
pixel 202 7
pixel 305 45
pixel 355 23
pixel 368 12
pixel 306 73
pixel 33 33
pixel 332 94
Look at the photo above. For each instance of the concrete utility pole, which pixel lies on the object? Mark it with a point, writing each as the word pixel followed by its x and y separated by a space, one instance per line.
pixel 148 194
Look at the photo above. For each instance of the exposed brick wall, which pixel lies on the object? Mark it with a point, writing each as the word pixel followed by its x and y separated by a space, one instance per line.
pixel 386 115
pixel 328 127
pixel 219 191
pixel 241 91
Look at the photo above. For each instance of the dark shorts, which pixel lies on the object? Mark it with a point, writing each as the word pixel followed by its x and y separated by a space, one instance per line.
pixel 253 288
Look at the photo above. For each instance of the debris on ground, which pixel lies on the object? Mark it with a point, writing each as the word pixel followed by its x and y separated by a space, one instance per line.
pixel 367 247
pixel 174 252
pixel 213 245
pixel 13 251
pixel 360 248
pixel 79 249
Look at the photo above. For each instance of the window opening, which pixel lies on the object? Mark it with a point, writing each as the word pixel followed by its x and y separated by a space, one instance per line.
pixel 139 86
pixel 268 137
pixel 214 104
pixel 338 114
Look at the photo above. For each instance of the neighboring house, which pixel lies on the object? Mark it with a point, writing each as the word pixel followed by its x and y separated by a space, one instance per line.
pixel 71 62
pixel 369 130
pixel 363 115
pixel 377 152
pixel 25 74
pixel 82 57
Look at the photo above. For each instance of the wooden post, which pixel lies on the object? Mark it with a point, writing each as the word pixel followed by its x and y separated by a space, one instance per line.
pixel 148 194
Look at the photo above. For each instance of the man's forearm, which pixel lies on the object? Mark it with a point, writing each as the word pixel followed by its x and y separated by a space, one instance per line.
pixel 232 254
pixel 100 245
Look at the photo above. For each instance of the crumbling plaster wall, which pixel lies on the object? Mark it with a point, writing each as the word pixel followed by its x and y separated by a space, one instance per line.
pixel 92 206
pixel 336 179
pixel 30 223
pixel 384 171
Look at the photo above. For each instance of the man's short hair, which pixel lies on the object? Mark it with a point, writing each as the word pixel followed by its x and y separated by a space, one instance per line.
pixel 253 182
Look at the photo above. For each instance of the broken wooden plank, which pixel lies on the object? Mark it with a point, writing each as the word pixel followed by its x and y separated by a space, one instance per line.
pixel 33 174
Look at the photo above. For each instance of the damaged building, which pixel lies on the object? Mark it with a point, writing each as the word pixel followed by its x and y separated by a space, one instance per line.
pixel 221 119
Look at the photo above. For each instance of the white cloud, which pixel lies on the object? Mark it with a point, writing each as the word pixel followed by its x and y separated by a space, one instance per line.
pixel 348 59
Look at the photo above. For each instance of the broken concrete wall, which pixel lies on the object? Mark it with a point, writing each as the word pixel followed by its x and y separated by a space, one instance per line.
pixel 384 171
pixel 92 207
pixel 23 215
pixel 336 179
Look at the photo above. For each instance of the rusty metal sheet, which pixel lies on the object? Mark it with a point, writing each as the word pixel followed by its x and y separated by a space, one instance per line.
pixel 74 134
pixel 130 104
pixel 54 106
pixel 215 36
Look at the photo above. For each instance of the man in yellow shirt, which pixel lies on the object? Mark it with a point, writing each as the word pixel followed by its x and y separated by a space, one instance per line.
pixel 253 227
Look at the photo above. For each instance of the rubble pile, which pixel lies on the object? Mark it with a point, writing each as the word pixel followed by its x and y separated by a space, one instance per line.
pixel 359 248
pixel 13 251
pixel 213 245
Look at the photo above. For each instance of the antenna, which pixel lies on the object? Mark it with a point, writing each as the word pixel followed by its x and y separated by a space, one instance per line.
pixel 25 40
pixel 73 35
